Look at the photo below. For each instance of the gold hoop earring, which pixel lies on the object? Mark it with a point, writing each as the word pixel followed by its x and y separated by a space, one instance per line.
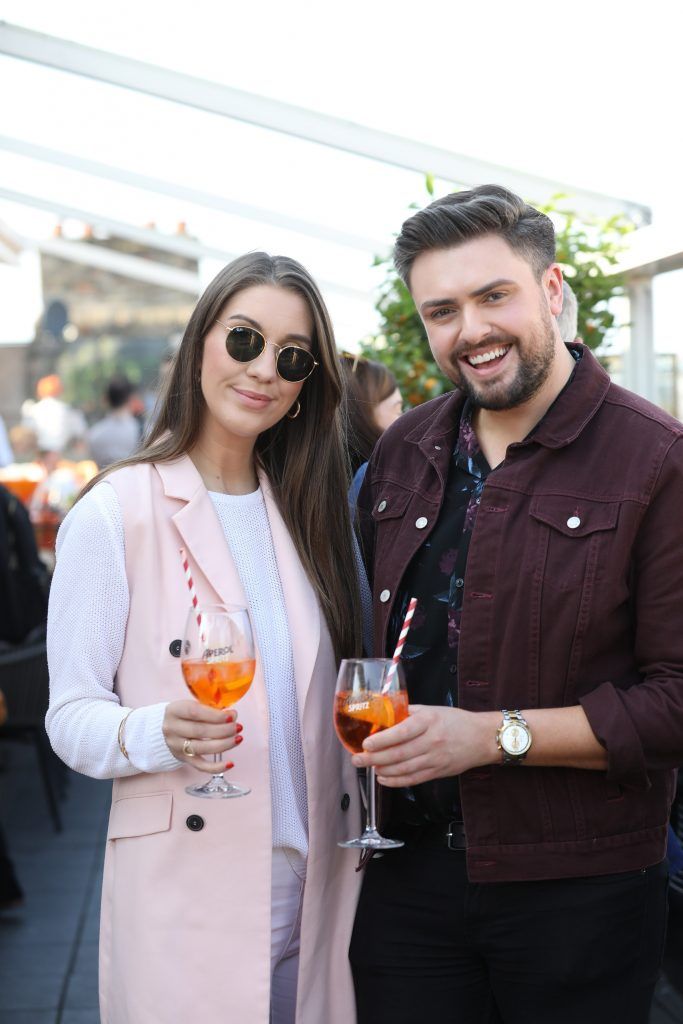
pixel 293 415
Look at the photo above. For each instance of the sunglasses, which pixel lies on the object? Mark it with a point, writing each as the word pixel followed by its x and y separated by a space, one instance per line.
pixel 293 363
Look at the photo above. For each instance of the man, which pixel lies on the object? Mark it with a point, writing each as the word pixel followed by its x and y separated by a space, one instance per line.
pixel 535 512
pixel 117 435
pixel 57 425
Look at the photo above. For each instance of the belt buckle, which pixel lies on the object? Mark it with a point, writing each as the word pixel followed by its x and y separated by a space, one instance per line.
pixel 455 837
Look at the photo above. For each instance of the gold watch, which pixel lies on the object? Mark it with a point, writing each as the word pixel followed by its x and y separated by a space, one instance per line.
pixel 513 737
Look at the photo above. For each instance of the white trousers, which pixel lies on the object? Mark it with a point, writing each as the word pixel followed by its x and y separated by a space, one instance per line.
pixel 287 890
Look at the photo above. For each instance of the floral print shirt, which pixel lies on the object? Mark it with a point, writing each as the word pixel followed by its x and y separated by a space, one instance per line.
pixel 437 577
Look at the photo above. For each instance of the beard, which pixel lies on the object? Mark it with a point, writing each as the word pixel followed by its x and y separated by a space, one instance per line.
pixel 536 357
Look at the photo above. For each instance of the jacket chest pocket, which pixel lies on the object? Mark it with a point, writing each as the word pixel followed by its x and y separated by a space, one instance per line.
pixel 395 543
pixel 388 514
pixel 573 539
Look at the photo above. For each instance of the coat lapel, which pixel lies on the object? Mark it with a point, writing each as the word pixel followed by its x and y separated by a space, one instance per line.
pixel 201 535
pixel 303 613
pixel 200 531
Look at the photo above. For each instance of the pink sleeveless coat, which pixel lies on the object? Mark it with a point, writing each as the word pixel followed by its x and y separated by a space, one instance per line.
pixel 185 929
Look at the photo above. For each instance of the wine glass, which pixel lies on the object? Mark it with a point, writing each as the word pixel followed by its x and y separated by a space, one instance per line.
pixel 371 695
pixel 218 664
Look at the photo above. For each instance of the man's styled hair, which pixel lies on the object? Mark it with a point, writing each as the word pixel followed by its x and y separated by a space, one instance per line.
pixel 462 216
pixel 568 320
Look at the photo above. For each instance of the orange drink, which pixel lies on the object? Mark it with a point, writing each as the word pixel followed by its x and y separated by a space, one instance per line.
pixel 361 713
pixel 22 479
pixel 218 684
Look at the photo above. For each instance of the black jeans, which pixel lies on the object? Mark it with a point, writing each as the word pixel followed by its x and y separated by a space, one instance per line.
pixel 429 946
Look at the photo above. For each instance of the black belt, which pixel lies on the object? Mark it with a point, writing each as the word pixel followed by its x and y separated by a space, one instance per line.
pixel 455 835
pixel 449 834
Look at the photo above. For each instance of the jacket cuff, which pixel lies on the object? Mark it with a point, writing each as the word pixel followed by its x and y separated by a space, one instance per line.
pixel 615 730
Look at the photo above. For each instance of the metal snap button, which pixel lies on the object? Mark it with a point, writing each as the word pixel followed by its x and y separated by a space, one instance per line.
pixel 175 647
pixel 195 822
pixel 460 582
pixel 384 596
pixel 573 522
pixel 345 802
pixel 421 522
pixel 382 505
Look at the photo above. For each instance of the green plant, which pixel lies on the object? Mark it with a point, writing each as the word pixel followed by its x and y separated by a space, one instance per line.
pixel 587 251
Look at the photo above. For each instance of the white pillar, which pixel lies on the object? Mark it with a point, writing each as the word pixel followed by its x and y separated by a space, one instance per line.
pixel 640 367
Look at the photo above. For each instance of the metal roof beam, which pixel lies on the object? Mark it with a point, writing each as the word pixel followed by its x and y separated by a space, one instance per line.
pixel 188 247
pixel 10 244
pixel 306 124
pixel 192 195
pixel 653 250
pixel 119 263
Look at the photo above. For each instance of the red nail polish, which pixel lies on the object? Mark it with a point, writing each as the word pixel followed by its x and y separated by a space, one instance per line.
pixel 228 766
pixel 231 717
pixel 239 727
pixel 238 739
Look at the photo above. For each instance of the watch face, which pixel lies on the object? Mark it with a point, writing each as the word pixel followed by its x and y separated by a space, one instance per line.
pixel 515 739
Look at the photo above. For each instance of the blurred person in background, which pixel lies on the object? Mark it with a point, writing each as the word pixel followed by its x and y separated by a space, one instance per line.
pixel 116 435
pixel 11 893
pixel 6 453
pixel 24 442
pixel 245 469
pixel 373 403
pixel 568 318
pixel 58 426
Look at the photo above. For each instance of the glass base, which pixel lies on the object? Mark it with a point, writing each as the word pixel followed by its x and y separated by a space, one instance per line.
pixel 217 789
pixel 372 840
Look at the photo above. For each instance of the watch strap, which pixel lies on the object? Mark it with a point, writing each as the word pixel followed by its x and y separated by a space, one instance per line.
pixel 512 718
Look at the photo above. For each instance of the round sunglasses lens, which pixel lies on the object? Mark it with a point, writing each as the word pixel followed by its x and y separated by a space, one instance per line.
pixel 294 363
pixel 244 344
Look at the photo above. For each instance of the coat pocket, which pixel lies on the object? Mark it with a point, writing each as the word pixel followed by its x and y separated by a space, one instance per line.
pixel 140 815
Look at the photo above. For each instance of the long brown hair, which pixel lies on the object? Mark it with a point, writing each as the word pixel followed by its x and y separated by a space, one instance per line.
pixel 367 384
pixel 304 458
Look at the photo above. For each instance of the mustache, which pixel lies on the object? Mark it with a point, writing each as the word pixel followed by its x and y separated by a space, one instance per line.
pixel 492 341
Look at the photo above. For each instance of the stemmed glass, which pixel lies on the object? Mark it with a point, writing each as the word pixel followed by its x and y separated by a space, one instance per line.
pixel 371 695
pixel 218 664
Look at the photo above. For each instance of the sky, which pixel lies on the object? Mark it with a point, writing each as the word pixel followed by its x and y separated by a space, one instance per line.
pixel 588 95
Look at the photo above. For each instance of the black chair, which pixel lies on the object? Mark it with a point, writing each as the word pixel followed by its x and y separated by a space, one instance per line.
pixel 24 682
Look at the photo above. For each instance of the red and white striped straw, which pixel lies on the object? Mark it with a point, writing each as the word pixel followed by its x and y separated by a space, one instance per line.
pixel 190 587
pixel 405 628
pixel 412 605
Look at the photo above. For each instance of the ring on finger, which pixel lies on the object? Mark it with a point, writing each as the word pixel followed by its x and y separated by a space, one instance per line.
pixel 187 748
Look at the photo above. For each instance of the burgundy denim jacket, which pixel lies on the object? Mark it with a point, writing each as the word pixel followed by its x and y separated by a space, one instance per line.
pixel 573 594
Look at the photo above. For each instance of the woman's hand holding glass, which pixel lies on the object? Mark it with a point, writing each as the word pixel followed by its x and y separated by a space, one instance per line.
pixel 218 665
pixel 209 731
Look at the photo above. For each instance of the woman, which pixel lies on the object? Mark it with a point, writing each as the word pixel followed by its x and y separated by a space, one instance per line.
pixel 204 903
pixel 373 402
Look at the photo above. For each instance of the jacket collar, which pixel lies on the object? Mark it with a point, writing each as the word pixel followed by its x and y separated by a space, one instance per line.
pixel 576 406
pixel 201 535
pixel 571 411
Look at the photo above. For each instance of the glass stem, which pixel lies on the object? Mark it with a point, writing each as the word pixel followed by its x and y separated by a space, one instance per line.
pixel 217 758
pixel 370 783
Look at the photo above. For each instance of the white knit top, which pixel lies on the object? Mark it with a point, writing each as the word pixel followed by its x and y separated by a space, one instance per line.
pixel 89 600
